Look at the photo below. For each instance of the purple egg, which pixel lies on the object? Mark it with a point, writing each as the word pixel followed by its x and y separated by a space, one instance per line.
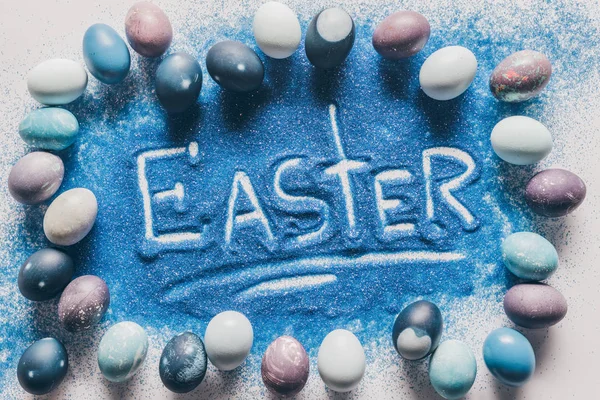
pixel 555 192
pixel 285 367
pixel 535 305
pixel 83 303
pixel 402 34
pixel 520 76
pixel 35 177
pixel 148 29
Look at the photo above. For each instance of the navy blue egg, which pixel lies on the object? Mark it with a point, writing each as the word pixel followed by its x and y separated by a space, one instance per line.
pixel 45 274
pixel 106 54
pixel 235 66
pixel 183 363
pixel 43 366
pixel 178 82
pixel 329 38
pixel 417 330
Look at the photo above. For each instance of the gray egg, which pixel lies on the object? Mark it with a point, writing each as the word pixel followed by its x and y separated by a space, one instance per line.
pixel 45 274
pixel 83 303
pixel 535 305
pixel 555 192
pixel 35 177
pixel 235 66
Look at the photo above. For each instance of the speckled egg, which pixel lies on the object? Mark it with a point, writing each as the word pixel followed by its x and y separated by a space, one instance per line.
pixel 57 81
pixel 448 72
pixel 535 305
pixel 509 356
pixel 520 76
pixel 529 256
pixel 122 351
pixel 83 303
pixel 148 29
pixel 106 54
pixel 521 140
pixel 43 366
pixel 178 82
pixel 417 330
pixel 402 34
pixel 276 30
pixel 452 369
pixel 228 340
pixel 555 192
pixel 49 128
pixel 45 274
pixel 35 177
pixel 341 361
pixel 235 66
pixel 70 217
pixel 329 38
pixel 183 363
pixel 285 367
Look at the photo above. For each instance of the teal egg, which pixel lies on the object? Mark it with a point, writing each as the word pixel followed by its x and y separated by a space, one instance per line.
pixel 106 54
pixel 529 256
pixel 122 351
pixel 452 369
pixel 509 356
pixel 49 128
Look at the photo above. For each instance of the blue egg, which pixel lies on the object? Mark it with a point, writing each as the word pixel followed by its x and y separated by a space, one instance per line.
pixel 178 82
pixel 235 66
pixel 183 363
pixel 329 38
pixel 43 366
pixel 529 256
pixel 122 351
pixel 452 369
pixel 106 54
pixel 509 356
pixel 49 128
pixel 417 330
pixel 45 274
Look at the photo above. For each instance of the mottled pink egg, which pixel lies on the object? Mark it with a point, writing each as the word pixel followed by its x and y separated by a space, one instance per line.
pixel 285 367
pixel 148 29
pixel 401 35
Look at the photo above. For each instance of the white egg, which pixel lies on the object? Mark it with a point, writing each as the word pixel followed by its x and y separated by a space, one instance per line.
pixel 276 30
pixel 228 340
pixel 57 81
pixel 521 140
pixel 341 361
pixel 448 72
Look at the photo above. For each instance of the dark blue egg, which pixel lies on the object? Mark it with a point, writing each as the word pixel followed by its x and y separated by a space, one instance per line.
pixel 43 366
pixel 509 356
pixel 106 54
pixel 183 363
pixel 417 330
pixel 178 82
pixel 329 38
pixel 45 274
pixel 235 66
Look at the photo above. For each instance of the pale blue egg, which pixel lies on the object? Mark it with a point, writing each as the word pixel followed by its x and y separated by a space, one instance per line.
pixel 49 128
pixel 529 256
pixel 106 54
pixel 122 351
pixel 452 369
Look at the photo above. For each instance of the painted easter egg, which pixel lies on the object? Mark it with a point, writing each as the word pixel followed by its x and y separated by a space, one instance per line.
pixel 148 29
pixel 417 330
pixel 70 217
pixel 183 363
pixel 402 34
pixel 43 366
pixel 235 66
pixel 521 140
pixel 57 81
pixel 555 192
pixel 520 76
pixel 341 361
pixel 285 367
pixel 535 305
pixel 49 128
pixel 529 256
pixel 122 351
pixel 45 274
pixel 509 356
pixel 329 38
pixel 106 54
pixel 448 72
pixel 228 340
pixel 276 30
pixel 83 303
pixel 35 177
pixel 452 369
pixel 178 82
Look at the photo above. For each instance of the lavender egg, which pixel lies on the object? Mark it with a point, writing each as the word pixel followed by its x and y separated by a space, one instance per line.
pixel 520 76
pixel 555 192
pixel 148 29
pixel 285 367
pixel 35 177
pixel 83 303
pixel 535 305
pixel 402 34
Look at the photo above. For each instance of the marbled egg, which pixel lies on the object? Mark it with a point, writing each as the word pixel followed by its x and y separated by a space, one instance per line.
pixel 521 140
pixel 45 274
pixel 106 54
pixel 509 356
pixel 235 66
pixel 228 340
pixel 276 30
pixel 285 367
pixel 555 192
pixel 83 303
pixel 535 305
pixel 520 76
pixel 49 128
pixel 57 81
pixel 402 34
pixel 417 330
pixel 329 38
pixel 341 361
pixel 70 217
pixel 529 256
pixel 35 177
pixel 122 351
pixel 178 82
pixel 43 366
pixel 183 363
pixel 148 29
pixel 448 72
pixel 452 369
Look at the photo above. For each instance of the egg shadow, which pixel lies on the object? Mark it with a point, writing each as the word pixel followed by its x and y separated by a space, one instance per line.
pixel 441 116
pixel 325 83
pixel 239 109
pixel 183 126
pixel 395 77
pixel 416 374
pixel 279 75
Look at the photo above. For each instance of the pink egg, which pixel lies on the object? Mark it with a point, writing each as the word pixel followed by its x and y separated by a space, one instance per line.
pixel 148 29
